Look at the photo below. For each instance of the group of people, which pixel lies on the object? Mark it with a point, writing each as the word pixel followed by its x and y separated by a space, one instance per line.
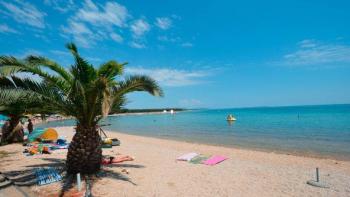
pixel 12 132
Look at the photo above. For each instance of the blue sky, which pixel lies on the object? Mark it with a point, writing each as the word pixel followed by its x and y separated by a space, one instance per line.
pixel 211 54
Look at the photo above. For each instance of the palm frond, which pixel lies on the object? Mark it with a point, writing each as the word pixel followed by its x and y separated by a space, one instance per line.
pixel 81 70
pixel 9 95
pixel 51 96
pixel 6 82
pixel 81 91
pixel 10 65
pixel 137 83
pixel 111 69
pixel 45 62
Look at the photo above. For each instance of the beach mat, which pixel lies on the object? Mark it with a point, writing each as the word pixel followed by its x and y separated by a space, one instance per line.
pixel 187 157
pixel 199 159
pixel 35 134
pixel 47 175
pixel 214 160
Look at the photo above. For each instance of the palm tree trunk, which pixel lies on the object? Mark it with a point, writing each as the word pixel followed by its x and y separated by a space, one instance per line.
pixel 84 153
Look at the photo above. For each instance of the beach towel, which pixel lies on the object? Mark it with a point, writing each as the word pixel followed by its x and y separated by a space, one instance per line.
pixel 187 157
pixel 214 160
pixel 35 134
pixel 57 146
pixel 199 159
pixel 47 175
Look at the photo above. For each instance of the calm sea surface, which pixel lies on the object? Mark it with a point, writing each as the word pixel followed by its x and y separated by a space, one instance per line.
pixel 312 130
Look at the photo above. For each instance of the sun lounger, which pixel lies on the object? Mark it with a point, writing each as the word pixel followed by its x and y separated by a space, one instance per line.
pixel 187 157
pixel 214 160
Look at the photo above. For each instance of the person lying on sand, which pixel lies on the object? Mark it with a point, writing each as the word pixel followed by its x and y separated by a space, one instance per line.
pixel 118 159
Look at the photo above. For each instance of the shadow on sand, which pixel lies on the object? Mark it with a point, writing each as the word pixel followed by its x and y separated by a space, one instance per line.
pixel 27 176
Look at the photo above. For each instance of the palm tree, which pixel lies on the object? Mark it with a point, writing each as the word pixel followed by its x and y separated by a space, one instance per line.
pixel 15 104
pixel 84 92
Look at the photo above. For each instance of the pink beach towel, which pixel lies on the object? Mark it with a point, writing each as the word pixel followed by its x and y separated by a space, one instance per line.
pixel 214 160
pixel 187 157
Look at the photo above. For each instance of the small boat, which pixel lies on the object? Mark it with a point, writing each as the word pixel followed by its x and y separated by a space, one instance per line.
pixel 230 118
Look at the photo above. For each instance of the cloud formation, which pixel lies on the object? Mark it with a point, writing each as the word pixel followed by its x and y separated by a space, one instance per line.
pixel 137 45
pixel 92 23
pixel 116 37
pixel 80 33
pixel 61 5
pixel 24 12
pixel 111 14
pixel 140 27
pixel 6 29
pixel 170 77
pixel 315 53
pixel 163 23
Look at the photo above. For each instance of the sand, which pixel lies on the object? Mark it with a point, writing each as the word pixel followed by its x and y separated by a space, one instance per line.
pixel 155 172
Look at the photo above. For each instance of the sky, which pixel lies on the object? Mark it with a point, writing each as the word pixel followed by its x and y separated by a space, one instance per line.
pixel 204 54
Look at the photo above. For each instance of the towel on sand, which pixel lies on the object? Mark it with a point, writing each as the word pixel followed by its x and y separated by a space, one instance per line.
pixel 47 175
pixel 187 157
pixel 199 159
pixel 214 160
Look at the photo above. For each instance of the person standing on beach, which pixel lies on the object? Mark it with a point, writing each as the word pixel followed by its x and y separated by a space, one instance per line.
pixel 30 126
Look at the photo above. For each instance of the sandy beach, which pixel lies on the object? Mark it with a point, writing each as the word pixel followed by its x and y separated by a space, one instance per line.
pixel 155 172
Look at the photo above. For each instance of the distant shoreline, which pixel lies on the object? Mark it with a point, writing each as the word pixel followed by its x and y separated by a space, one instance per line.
pixel 144 113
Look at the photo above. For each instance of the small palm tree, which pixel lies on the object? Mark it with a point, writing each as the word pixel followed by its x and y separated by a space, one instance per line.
pixel 84 92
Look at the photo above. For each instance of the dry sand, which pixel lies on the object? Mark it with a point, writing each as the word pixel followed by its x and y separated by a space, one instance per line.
pixel 156 173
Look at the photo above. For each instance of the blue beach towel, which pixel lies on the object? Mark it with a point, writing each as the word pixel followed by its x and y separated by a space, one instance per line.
pixel 46 176
pixel 35 134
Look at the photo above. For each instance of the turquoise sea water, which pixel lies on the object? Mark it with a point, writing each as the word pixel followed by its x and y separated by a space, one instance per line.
pixel 312 130
pixel 2 117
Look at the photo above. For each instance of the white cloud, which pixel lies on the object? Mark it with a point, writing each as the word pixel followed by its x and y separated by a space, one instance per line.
pixel 170 77
pixel 137 45
pixel 169 39
pixel 6 29
pixel 187 44
pixel 61 5
pixel 93 23
pixel 140 27
pixel 24 12
pixel 116 37
pixel 163 23
pixel 112 14
pixel 81 33
pixel 314 53
pixel 307 43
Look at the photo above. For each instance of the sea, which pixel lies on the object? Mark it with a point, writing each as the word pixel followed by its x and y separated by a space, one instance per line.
pixel 2 117
pixel 320 131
